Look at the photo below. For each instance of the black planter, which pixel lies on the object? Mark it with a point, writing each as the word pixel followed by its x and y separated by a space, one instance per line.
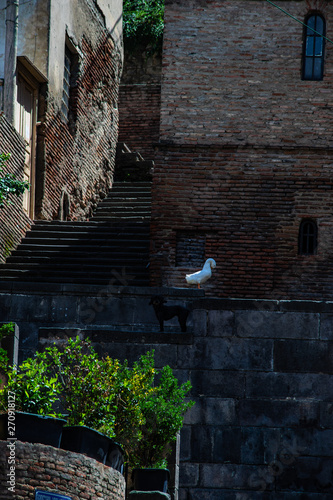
pixel 115 457
pixel 150 479
pixel 32 428
pixel 81 439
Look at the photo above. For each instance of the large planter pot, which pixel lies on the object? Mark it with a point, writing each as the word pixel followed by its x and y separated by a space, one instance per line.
pixel 81 439
pixel 150 479
pixel 115 457
pixel 32 428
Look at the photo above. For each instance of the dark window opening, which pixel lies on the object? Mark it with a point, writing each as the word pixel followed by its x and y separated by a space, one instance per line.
pixel 70 83
pixel 308 238
pixel 190 249
pixel 66 84
pixel 313 48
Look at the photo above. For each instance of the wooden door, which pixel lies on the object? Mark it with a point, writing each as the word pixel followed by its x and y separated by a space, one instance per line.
pixel 25 122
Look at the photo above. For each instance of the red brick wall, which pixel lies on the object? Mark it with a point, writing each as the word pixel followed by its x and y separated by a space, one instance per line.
pixel 82 162
pixel 245 150
pixel 49 469
pixel 140 100
pixel 13 220
pixel 139 117
pixel 249 204
pixel 232 74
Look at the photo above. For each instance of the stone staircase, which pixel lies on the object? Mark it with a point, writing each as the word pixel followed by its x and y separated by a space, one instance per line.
pixel 112 246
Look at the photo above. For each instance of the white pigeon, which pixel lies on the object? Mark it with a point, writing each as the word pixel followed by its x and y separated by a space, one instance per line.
pixel 203 275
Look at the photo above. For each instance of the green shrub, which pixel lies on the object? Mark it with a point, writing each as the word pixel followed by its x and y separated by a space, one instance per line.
pixel 35 390
pixel 142 408
pixel 85 398
pixel 5 331
pixel 163 411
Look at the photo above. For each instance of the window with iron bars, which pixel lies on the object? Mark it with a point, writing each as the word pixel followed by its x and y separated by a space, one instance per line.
pixel 66 84
pixel 307 242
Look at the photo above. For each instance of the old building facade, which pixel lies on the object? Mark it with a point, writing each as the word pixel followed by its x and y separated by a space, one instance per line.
pixel 244 167
pixel 68 62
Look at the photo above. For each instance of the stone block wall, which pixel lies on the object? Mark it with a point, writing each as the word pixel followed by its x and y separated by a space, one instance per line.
pixel 14 222
pixel 40 467
pixel 261 371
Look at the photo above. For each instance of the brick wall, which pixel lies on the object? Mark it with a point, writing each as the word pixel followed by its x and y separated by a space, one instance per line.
pixel 80 157
pixel 13 220
pixel 49 469
pixel 248 204
pixel 140 100
pixel 232 73
pixel 245 151
pixel 139 109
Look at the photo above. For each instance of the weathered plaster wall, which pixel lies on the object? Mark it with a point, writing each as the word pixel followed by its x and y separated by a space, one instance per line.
pixel 80 155
pixel 40 467
pixel 79 18
pixel 33 33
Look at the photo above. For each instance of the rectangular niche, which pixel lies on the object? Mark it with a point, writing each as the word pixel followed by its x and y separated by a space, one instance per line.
pixel 190 249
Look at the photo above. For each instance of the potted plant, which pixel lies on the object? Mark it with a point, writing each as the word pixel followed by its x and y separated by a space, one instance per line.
pixel 28 399
pixel 149 412
pixel 86 400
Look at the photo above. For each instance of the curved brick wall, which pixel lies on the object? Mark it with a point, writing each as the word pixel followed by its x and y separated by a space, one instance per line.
pixel 46 468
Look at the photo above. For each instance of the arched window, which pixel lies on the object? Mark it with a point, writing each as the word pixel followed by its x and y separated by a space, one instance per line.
pixel 313 48
pixel 307 239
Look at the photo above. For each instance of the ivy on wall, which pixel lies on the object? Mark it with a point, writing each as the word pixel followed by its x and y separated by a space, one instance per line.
pixel 9 184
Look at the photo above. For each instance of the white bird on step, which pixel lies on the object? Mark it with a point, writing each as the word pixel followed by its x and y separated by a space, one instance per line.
pixel 203 275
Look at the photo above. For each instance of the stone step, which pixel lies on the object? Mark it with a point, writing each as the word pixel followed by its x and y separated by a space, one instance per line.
pixel 138 281
pixel 56 256
pixel 130 186
pixel 72 240
pixel 123 201
pixel 127 213
pixel 134 218
pixel 27 262
pixel 116 238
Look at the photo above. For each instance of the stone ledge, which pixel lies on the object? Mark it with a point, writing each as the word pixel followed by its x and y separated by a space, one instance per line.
pixel 112 336
pixel 28 288
pixel 262 305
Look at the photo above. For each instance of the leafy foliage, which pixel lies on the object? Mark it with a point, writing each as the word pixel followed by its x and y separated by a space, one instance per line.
pixel 35 390
pixel 9 184
pixel 84 395
pixel 141 407
pixel 163 411
pixel 5 331
pixel 130 387
pixel 143 21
